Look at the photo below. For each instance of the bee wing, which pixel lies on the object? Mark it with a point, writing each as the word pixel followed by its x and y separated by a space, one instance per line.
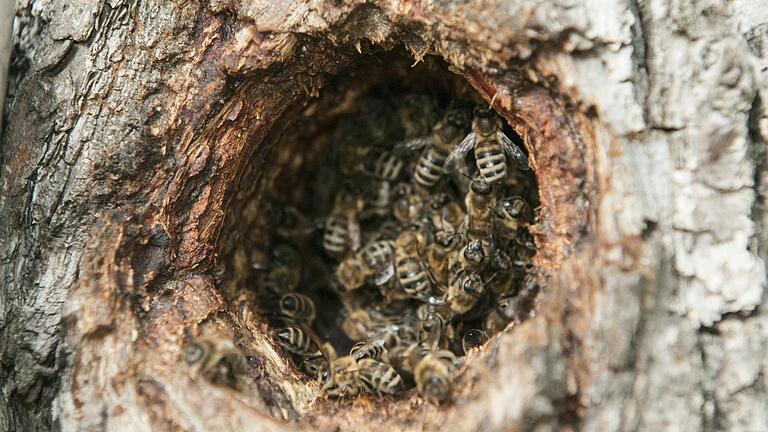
pixel 458 154
pixel 384 275
pixel 513 151
pixel 412 145
pixel 355 236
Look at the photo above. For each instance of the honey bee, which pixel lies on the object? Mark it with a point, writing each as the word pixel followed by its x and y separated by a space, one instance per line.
pixel 502 272
pixel 474 255
pixel 378 121
pixel 436 147
pixel 305 345
pixel 361 324
pixel 405 356
pixel 464 291
pixel 411 275
pixel 434 375
pixel 407 205
pixel 298 342
pixel 491 146
pixel 378 200
pixel 297 307
pixel 342 378
pixel 285 270
pixel 341 231
pixel 358 324
pixel 351 273
pixel 515 309
pixel 216 359
pixel 511 214
pixel 440 253
pixel 375 348
pixel 418 114
pixel 480 203
pixel 445 213
pixel 383 165
pixel 374 259
pixel 379 378
pixel 289 222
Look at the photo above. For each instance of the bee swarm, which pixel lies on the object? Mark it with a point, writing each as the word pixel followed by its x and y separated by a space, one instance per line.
pixel 408 247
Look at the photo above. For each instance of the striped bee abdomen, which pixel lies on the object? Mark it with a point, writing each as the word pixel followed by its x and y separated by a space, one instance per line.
pixel 297 342
pixel 378 377
pixel 367 349
pixel 335 235
pixel 412 277
pixel 429 168
pixel 387 166
pixel 491 161
pixel 378 253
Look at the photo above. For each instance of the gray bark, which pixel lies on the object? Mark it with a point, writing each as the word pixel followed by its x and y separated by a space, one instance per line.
pixel 6 42
pixel 127 139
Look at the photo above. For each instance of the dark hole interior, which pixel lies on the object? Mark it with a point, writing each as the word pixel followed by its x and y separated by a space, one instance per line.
pixel 327 156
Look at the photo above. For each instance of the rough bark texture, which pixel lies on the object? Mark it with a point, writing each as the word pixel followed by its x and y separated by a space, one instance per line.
pixel 134 130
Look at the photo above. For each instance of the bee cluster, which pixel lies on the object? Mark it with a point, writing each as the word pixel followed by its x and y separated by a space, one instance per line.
pixel 425 241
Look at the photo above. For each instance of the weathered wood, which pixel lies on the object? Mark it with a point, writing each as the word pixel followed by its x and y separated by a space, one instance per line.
pixel 133 143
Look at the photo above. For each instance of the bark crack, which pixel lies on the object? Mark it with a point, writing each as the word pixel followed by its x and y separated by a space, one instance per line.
pixel 640 57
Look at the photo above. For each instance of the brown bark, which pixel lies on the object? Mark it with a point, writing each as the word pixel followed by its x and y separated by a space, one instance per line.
pixel 136 135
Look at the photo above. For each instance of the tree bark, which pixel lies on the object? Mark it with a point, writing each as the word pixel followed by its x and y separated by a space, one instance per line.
pixel 135 131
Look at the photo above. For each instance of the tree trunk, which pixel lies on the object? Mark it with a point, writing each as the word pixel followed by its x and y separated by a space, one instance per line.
pixel 136 130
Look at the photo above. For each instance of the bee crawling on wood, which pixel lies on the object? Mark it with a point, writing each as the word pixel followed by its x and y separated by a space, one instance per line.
pixel 342 378
pixel 434 375
pixel 492 147
pixel 304 344
pixel 514 308
pixel 215 359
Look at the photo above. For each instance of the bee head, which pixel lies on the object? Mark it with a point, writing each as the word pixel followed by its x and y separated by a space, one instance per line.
pixel 457 118
pixel 402 190
pixel 288 303
pixel 506 308
pixel 440 201
pixel 193 353
pixel 481 187
pixel 474 251
pixel 472 284
pixel 446 238
pixel 485 119
pixel 501 262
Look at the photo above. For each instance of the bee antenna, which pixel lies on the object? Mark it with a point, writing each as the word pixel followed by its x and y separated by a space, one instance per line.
pixel 466 175
pixel 491 278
